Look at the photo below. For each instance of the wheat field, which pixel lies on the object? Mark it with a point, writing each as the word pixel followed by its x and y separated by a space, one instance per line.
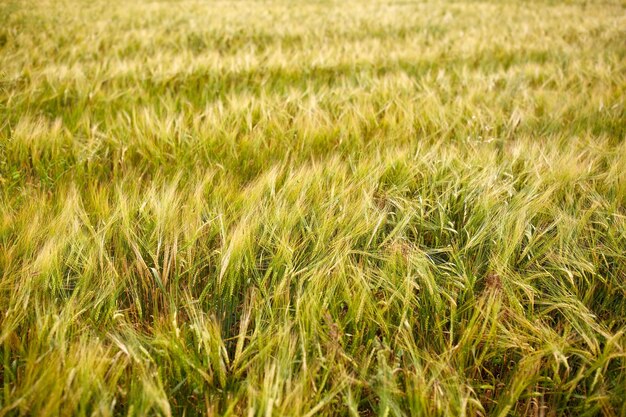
pixel 312 208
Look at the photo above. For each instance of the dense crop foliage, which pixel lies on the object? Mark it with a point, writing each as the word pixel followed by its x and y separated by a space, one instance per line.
pixel 290 208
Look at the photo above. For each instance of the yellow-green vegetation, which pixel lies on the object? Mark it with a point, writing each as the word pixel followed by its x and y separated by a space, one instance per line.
pixel 292 208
